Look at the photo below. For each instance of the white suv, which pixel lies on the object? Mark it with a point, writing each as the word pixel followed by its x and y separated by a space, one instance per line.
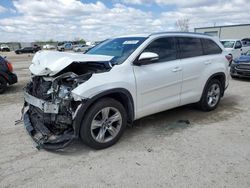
pixel 95 95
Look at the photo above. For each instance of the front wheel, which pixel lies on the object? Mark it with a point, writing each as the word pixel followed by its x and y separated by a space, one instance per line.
pixel 103 124
pixel 211 95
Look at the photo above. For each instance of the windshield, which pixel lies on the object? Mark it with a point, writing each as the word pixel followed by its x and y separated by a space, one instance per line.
pixel 228 44
pixel 120 48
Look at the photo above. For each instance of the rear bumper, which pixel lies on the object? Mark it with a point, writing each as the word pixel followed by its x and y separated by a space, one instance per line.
pixel 12 78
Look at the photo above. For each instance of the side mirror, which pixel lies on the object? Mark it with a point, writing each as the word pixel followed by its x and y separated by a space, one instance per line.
pixel 147 57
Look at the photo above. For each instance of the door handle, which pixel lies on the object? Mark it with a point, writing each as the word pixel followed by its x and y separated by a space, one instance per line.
pixel 208 62
pixel 176 69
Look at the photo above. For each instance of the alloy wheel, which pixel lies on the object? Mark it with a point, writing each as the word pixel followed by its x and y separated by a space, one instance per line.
pixel 213 95
pixel 106 124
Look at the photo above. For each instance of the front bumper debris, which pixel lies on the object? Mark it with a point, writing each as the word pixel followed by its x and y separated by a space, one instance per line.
pixel 44 138
pixel 46 123
pixel 46 107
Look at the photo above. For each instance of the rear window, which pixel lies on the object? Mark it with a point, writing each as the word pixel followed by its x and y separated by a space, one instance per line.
pixel 190 47
pixel 27 48
pixel 210 47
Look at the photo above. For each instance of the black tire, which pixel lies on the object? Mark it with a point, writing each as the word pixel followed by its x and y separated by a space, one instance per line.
pixel 86 132
pixel 203 104
pixel 3 85
pixel 234 77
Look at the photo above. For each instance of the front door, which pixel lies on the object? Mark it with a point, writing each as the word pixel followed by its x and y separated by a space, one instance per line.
pixel 159 83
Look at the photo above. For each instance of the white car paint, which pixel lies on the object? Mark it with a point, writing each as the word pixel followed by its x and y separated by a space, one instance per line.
pixel 154 87
pixel 48 47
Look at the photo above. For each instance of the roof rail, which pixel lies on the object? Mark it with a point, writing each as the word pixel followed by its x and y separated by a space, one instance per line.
pixel 177 32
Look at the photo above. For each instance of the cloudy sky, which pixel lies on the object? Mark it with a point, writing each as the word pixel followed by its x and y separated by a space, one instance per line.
pixel 31 20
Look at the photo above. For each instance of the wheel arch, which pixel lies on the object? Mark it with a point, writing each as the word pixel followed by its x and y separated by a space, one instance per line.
pixel 120 94
pixel 221 77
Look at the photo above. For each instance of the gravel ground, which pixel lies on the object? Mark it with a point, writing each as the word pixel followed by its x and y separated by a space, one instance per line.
pixel 158 151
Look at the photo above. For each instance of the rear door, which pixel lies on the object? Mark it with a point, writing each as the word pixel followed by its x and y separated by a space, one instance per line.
pixel 193 65
pixel 197 58
pixel 159 83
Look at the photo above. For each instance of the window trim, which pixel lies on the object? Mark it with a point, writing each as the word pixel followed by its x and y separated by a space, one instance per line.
pixel 160 37
pixel 180 51
pixel 202 43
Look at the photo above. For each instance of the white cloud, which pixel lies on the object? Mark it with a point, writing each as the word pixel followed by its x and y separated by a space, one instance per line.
pixel 2 9
pixel 69 19
pixel 180 3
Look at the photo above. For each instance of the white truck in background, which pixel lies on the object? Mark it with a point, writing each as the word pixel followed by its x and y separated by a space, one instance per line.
pixel 234 47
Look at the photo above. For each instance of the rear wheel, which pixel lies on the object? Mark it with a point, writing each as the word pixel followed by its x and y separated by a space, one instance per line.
pixel 211 95
pixel 103 124
pixel 3 84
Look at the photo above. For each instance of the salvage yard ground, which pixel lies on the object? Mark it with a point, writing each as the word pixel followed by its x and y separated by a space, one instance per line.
pixel 158 151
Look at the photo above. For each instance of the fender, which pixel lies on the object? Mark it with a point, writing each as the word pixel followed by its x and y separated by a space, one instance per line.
pixel 87 103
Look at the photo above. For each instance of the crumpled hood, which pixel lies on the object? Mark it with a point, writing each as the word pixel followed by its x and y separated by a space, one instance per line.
pixel 52 62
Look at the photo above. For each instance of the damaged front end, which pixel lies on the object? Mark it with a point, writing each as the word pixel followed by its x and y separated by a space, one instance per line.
pixel 52 108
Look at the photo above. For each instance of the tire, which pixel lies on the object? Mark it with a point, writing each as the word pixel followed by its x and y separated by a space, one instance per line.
pixel 96 129
pixel 234 77
pixel 211 95
pixel 3 85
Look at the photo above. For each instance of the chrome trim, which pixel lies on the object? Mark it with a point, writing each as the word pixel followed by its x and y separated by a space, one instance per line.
pixel 46 107
pixel 242 70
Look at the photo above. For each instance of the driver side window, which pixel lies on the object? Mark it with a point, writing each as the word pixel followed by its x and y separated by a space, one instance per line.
pixel 164 47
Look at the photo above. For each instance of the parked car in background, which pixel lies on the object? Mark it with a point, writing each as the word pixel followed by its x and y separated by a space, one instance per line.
pixel 234 47
pixel 4 48
pixel 64 46
pixel 241 66
pixel 95 95
pixel 81 48
pixel 7 77
pixel 245 42
pixel 36 47
pixel 27 50
pixel 49 47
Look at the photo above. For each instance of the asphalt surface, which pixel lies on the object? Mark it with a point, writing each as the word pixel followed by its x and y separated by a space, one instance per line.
pixel 158 151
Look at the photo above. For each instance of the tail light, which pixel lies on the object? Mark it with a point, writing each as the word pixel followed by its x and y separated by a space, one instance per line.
pixel 229 59
pixel 10 67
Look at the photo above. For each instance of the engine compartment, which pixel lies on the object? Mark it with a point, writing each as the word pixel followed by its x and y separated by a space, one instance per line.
pixel 53 128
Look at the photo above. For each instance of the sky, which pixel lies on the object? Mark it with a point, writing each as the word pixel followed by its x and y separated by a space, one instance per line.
pixel 60 20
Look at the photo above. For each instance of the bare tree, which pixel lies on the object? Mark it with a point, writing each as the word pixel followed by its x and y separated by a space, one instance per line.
pixel 182 25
